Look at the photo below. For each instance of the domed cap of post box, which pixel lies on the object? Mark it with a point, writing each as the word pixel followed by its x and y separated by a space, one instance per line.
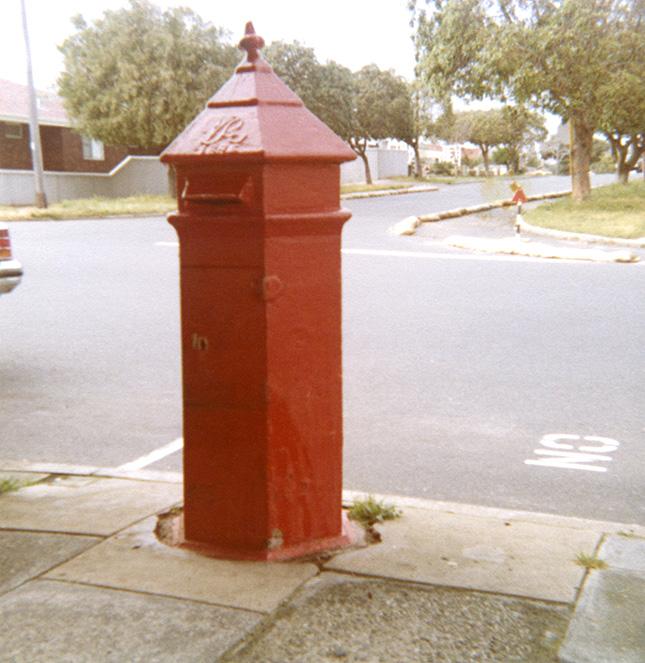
pixel 255 116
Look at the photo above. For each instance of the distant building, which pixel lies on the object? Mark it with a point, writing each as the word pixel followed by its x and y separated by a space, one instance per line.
pixel 75 166
pixel 451 153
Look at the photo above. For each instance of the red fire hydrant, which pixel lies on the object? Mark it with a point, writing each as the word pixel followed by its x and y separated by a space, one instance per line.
pixel 259 225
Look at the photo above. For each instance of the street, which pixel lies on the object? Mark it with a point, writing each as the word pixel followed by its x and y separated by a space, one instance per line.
pixel 489 380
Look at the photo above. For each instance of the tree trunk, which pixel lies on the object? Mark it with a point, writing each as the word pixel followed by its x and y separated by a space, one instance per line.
pixel 620 155
pixel 485 159
pixel 418 170
pixel 623 172
pixel 581 144
pixel 366 163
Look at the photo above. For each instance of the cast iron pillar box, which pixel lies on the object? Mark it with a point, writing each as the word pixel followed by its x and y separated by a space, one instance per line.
pixel 259 224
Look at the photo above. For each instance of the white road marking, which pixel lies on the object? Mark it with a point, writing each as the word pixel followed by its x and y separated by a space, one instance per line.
pixel 445 256
pixel 154 456
pixel 389 253
pixel 569 457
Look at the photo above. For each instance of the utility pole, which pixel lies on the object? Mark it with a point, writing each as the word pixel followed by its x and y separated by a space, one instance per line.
pixel 34 130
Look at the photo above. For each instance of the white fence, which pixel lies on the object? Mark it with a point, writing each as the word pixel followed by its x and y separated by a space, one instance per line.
pixel 147 175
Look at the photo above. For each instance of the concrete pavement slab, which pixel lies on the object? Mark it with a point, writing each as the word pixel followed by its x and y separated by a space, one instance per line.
pixel 489 554
pixel 568 522
pixel 624 552
pixel 85 505
pixel 337 618
pixel 136 560
pixel 25 555
pixel 609 622
pixel 45 621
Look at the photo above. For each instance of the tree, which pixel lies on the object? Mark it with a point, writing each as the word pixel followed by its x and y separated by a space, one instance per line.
pixel 523 129
pixel 623 122
pixel 536 52
pixel 623 115
pixel 381 109
pixel 327 90
pixel 299 68
pixel 420 122
pixel 138 75
pixel 513 127
pixel 482 128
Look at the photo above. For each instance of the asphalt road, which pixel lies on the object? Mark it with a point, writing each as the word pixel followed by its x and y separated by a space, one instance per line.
pixel 457 367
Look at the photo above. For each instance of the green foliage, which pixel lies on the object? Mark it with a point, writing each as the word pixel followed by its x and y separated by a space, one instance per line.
pixel 11 485
pixel 501 156
pixel 575 58
pixel 326 90
pixel 137 76
pixel 382 108
pixel 604 164
pixel 514 127
pixel 442 168
pixel 371 511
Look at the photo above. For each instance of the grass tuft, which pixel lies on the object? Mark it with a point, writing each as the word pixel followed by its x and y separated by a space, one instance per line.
pixel 11 485
pixel 370 511
pixel 590 561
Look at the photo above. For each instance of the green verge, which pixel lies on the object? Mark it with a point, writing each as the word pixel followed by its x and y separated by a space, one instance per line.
pixel 86 208
pixel 616 210
pixel 438 179
pixel 98 207
pixel 362 188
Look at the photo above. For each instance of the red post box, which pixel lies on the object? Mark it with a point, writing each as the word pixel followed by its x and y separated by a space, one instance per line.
pixel 259 224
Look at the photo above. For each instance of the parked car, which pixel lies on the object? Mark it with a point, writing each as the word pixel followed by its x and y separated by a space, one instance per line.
pixel 10 268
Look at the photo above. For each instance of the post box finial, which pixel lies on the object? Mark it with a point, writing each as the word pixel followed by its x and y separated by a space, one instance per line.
pixel 251 43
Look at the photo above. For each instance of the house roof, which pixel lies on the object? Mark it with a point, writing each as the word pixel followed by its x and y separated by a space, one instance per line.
pixel 14 105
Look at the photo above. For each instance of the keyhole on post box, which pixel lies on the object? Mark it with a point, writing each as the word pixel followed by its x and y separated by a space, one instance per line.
pixel 200 343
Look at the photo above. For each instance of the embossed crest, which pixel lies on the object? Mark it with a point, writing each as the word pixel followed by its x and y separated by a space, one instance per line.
pixel 225 136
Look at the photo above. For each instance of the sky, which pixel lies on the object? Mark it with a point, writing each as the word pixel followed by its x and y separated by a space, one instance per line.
pixel 352 32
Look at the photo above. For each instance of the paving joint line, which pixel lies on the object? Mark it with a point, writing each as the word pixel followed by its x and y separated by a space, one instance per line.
pixel 165 596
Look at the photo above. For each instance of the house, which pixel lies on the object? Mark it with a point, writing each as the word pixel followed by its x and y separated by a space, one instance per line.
pixel 64 150
pixel 75 166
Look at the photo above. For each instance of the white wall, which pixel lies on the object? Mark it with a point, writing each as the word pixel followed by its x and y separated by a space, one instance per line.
pixel 392 163
pixel 133 176
pixel 147 175
pixel 383 163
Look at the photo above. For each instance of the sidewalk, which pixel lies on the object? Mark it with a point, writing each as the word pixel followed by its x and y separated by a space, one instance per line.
pixel 83 578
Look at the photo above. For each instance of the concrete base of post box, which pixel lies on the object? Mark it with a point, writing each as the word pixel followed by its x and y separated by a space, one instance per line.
pixel 170 531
